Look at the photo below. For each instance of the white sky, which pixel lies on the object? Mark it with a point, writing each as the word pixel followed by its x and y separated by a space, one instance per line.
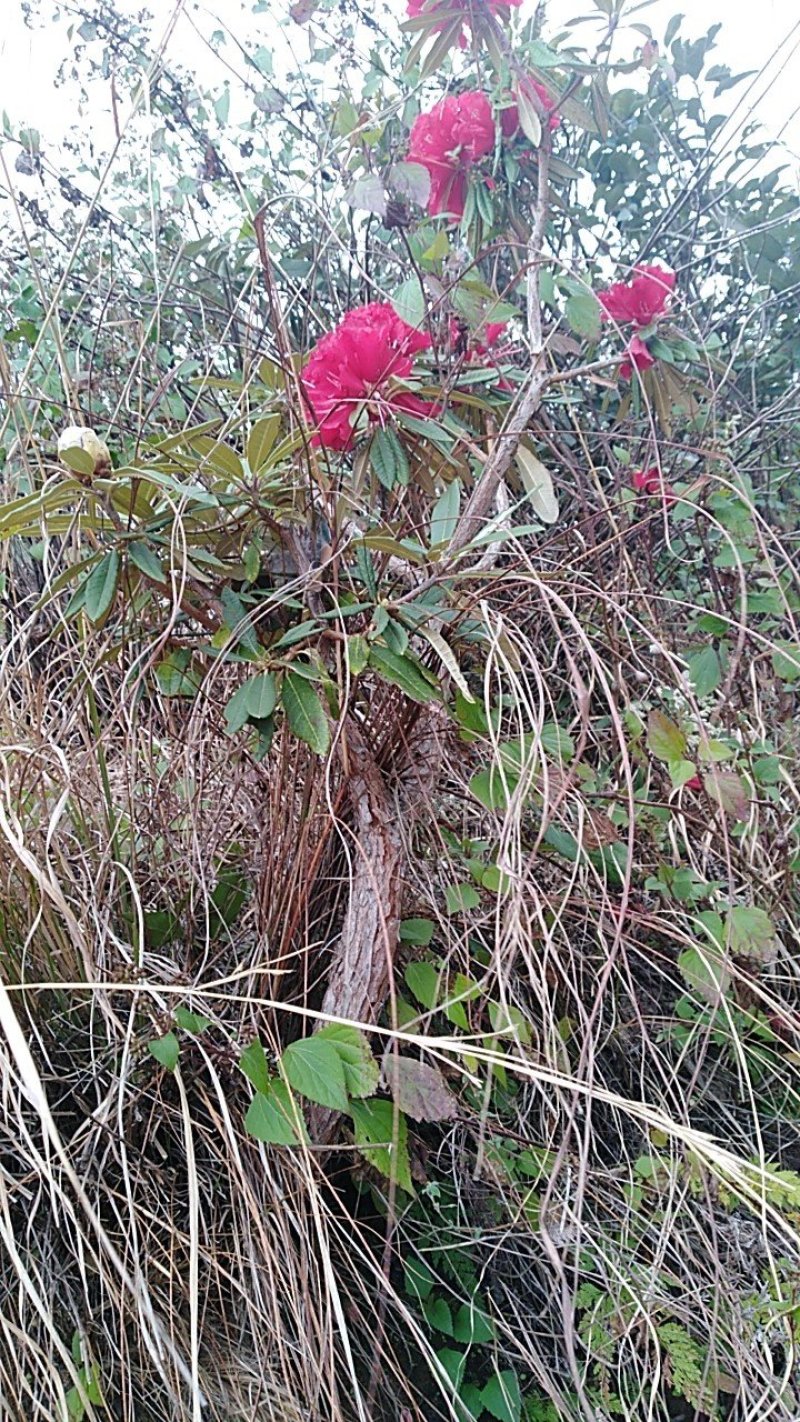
pixel 750 36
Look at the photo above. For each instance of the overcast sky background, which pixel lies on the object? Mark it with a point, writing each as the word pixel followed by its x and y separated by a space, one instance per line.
pixel 764 36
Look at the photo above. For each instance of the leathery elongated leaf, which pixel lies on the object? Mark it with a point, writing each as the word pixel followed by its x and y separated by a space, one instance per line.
pixel 538 485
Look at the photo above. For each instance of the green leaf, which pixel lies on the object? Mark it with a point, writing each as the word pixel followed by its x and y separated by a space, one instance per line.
pixel 237 710
pixel 314 1067
pixel 472 1325
pixel 418 931
pixel 166 1050
pixel 272 1118
pixel 444 516
pixel 253 1063
pixel 501 1396
pixel 174 676
pixel 409 302
pixel 361 1071
pixel 260 695
pixel 706 668
pixel 461 897
pixel 665 740
pixel 422 979
pixel 538 485
pixel 751 933
pixel 260 441
pixel 357 653
pixel 304 712
pixel 193 1022
pixel 402 672
pixel 453 1364
pixel 438 1314
pixel 729 791
pixel 388 458
pixel 786 661
pixel 680 771
pixel 583 312
pixel 418 1278
pixel 493 787
pixel 101 586
pixel 143 558
pixel 383 1140
pixel 705 973
pixel 412 181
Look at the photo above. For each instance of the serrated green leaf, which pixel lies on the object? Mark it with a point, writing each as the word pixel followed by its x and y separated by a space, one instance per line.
pixel 459 898
pixel 665 740
pixel 101 585
pixel 751 933
pixel 166 1050
pixel 361 1071
pixel 381 1135
pixel 705 972
pixel 501 1396
pixel 272 1117
pixel 583 313
pixel 423 980
pixel 304 712
pixel 472 1325
pixel 253 1063
pixel 314 1067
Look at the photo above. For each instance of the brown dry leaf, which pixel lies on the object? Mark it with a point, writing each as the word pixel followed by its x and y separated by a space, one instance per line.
pixel 419 1090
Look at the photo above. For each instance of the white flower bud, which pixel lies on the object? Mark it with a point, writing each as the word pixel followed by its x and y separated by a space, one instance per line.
pixel 77 437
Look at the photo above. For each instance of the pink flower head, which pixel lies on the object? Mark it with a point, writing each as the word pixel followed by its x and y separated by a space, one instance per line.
pixel 352 366
pixel 446 12
pixel 448 140
pixel 639 300
pixel 509 117
pixel 650 482
pixel 637 355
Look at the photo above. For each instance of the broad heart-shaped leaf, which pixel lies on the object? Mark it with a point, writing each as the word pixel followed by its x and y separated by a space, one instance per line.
pixel 189 1021
pixel 418 931
pixel 420 1090
pixel 501 1396
pixel 423 980
pixel 538 485
pixel 304 712
pixel 729 791
pixel 583 314
pixel 751 933
pixel 314 1067
pixel 260 441
pixel 403 672
pixel 388 458
pixel 166 1050
pixel 381 1135
pixel 101 586
pixel 665 740
pixel 272 1117
pixel 409 302
pixel 459 898
pixel 472 1325
pixel 705 972
pixel 361 1071
pixel 367 194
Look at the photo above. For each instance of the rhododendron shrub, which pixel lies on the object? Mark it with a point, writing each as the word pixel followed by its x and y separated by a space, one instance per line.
pixel 449 140
pixel 351 370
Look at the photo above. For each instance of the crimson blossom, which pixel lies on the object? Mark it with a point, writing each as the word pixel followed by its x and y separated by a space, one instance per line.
pixel 446 12
pixel 509 117
pixel 352 367
pixel 448 140
pixel 638 302
pixel 649 481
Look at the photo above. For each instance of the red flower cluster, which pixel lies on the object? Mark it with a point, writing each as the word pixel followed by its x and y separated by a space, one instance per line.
pixel 509 118
pixel 446 12
pixel 352 366
pixel 638 302
pixel 490 334
pixel 447 140
pixel 649 481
